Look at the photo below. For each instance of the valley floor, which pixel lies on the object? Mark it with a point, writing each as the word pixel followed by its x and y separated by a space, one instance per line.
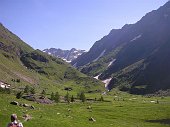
pixel 129 111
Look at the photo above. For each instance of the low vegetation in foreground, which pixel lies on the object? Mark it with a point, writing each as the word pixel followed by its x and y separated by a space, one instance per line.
pixel 114 109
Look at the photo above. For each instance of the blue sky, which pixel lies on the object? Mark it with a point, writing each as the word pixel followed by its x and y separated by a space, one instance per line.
pixel 70 23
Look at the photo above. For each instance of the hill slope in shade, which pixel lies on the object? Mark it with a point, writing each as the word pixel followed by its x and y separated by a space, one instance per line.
pixel 135 56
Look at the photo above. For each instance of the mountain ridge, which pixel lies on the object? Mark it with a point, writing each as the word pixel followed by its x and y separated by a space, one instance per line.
pixel 67 55
pixel 128 52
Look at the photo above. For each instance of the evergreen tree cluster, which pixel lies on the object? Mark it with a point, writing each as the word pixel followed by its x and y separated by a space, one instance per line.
pixel 81 96
pixel 29 89
pixel 55 97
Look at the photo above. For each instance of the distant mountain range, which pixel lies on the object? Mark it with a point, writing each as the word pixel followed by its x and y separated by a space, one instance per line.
pixel 135 58
pixel 67 55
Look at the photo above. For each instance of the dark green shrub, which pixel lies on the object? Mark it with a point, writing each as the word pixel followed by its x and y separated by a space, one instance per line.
pixel 19 95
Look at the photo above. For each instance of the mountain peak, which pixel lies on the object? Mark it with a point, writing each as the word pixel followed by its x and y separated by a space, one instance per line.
pixel 67 55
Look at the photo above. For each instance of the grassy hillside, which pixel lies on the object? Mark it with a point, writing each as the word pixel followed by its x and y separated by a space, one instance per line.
pixel 32 67
pixel 9 42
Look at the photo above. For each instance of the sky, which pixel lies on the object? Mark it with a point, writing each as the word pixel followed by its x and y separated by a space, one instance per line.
pixel 70 24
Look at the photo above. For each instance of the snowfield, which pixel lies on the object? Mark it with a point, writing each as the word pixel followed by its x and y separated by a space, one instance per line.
pixel 101 54
pixel 111 62
pixel 135 38
pixel 106 82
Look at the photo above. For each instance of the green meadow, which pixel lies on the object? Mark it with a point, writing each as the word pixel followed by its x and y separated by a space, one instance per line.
pixel 117 110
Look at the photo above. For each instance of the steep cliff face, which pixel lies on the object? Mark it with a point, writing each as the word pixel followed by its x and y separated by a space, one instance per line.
pixel 134 56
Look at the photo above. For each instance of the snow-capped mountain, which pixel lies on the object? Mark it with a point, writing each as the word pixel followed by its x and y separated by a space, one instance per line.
pixel 67 55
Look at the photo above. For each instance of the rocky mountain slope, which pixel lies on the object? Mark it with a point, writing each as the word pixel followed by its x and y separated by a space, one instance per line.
pixel 67 55
pixel 21 65
pixel 134 58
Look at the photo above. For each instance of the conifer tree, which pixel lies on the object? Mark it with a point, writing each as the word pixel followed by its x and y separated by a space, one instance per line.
pixel 57 97
pixel 67 99
pixel 19 95
pixel 26 89
pixel 52 96
pixel 101 98
pixel 43 92
pixel 82 97
pixel 72 98
pixel 32 90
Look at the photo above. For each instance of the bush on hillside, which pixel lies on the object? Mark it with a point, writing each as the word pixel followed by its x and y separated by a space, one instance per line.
pixel 19 95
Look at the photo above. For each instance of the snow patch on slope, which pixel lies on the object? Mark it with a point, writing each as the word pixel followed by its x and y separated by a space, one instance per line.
pixel 111 62
pixel 101 54
pixel 106 82
pixel 97 77
pixel 135 38
pixel 66 60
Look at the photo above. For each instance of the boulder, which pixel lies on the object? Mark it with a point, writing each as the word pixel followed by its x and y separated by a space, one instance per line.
pixel 89 107
pixel 14 103
pixel 27 117
pixel 26 105
pixel 32 107
pixel 68 88
pixel 29 97
pixel 92 119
